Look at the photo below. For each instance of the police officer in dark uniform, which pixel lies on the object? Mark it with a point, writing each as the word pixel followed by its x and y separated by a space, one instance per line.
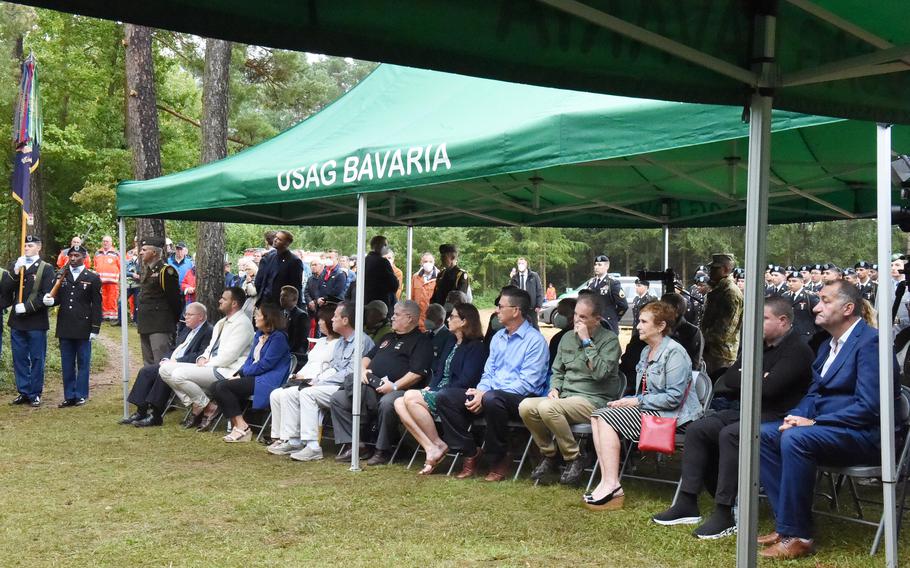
pixel 78 323
pixel 159 304
pixel 613 299
pixel 28 323
pixel 803 303
pixel 451 277
pixel 641 299
pixel 867 287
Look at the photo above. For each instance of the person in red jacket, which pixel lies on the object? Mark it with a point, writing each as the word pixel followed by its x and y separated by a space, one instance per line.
pixel 107 265
pixel 63 257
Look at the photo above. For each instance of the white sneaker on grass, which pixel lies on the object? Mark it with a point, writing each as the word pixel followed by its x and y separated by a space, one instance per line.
pixel 308 453
pixel 284 449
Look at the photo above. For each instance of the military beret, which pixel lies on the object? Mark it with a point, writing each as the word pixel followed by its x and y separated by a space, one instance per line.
pixel 778 268
pixel 791 268
pixel 862 264
pixel 874 267
pixel 805 268
pixel 153 242
pixel 769 268
pixel 739 273
pixel 818 267
pixel 77 250
pixel 834 267
pixel 794 274
pixel 701 279
pixel 849 272
pixel 701 268
pixel 642 282
pixel 33 239
pixel 601 258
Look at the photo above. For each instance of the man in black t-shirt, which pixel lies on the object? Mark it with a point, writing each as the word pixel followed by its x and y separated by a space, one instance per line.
pixel 401 360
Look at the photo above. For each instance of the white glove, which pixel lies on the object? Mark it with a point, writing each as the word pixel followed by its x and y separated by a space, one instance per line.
pixel 20 262
pixel 92 336
pixel 47 300
pixel 20 308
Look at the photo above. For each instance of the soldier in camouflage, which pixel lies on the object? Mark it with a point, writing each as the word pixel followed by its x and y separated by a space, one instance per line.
pixel 722 317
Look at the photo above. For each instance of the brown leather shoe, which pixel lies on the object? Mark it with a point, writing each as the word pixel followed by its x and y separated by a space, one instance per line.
pixel 789 548
pixel 768 539
pixel 470 465
pixel 501 470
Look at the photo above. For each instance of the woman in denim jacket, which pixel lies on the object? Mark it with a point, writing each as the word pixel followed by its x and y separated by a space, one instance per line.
pixel 663 379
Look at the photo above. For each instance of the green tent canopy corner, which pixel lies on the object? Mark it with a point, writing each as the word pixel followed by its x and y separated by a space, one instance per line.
pixel 449 150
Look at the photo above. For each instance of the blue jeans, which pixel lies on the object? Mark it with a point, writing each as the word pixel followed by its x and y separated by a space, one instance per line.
pixel 76 359
pixel 29 351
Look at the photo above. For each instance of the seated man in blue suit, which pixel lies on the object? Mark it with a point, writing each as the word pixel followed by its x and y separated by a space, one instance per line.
pixel 836 423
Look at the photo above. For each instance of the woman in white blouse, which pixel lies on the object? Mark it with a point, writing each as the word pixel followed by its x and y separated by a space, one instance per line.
pixel 248 270
pixel 286 401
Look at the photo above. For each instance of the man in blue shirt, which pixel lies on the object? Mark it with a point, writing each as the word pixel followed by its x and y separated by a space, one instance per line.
pixel 516 369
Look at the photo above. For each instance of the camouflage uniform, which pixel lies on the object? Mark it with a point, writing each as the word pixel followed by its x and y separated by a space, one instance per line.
pixel 721 323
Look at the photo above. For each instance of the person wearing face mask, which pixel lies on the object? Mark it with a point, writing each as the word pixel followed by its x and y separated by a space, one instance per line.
pixel 423 284
pixel 435 324
pixel 332 280
pixel 529 281
pixel 563 320
pixel 28 322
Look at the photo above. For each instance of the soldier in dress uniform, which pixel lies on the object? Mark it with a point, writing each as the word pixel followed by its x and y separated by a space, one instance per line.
pixel 78 323
pixel 28 322
pixel 722 318
pixel 803 303
pixel 778 282
pixel 159 304
pixel 7 288
pixel 696 299
pixel 831 273
pixel 612 298
pixel 867 287
pixel 769 286
pixel 739 276
pixel 451 277
pixel 641 299
pixel 814 284
pixel 804 272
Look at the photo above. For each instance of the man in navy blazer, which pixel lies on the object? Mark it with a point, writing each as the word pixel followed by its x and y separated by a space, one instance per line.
pixel 836 423
pixel 150 393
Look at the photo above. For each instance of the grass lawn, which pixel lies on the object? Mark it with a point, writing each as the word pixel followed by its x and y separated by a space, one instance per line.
pixel 80 490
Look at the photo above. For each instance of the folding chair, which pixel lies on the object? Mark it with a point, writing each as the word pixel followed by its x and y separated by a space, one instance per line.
pixel 268 414
pixel 848 474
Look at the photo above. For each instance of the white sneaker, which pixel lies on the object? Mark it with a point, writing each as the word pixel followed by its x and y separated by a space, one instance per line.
pixel 284 449
pixel 307 454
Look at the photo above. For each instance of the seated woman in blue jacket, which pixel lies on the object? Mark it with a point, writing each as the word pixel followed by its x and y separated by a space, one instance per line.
pixel 663 381
pixel 459 365
pixel 265 369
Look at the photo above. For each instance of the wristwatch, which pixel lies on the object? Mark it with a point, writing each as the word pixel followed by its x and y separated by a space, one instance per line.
pixel 394 386
pixel 586 342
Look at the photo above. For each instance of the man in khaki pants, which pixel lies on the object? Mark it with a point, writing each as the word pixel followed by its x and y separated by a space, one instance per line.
pixel 585 377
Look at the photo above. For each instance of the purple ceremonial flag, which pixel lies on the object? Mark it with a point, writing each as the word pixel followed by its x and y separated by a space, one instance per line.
pixel 26 135
pixel 25 160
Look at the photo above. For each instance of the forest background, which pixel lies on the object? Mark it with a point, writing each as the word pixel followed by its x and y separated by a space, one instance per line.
pixel 86 152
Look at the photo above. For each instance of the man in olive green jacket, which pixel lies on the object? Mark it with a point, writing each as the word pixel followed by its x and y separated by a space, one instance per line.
pixel 585 377
pixel 723 316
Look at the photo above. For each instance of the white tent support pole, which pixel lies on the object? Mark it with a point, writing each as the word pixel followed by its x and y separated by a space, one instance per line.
pixel 652 39
pixel 757 191
pixel 666 247
pixel 124 317
pixel 358 329
pixel 410 262
pixel 885 347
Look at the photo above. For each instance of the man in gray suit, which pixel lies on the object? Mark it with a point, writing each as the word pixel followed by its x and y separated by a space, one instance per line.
pixel 530 282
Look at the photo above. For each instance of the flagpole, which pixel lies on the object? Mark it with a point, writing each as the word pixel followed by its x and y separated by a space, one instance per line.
pixel 22 253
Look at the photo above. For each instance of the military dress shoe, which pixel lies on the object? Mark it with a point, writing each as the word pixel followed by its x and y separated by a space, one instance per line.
pixel 131 418
pixel 789 547
pixel 150 420
pixel 36 402
pixel 768 539
pixel 71 402
pixel 20 399
pixel 469 468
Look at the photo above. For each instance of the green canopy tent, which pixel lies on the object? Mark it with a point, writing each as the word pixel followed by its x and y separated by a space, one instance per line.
pixel 437 149
pixel 844 59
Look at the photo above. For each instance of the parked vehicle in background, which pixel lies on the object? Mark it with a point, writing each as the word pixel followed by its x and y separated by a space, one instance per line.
pixel 628 288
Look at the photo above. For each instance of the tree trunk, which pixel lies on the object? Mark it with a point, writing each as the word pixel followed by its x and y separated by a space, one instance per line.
pixel 210 236
pixel 142 116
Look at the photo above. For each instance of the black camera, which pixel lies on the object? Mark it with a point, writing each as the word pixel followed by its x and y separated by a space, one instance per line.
pixel 667 278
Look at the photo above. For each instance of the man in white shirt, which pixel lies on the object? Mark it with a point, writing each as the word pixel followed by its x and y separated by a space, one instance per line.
pixel 225 354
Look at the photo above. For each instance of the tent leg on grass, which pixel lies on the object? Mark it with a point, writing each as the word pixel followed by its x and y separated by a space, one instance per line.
pixel 124 317
pixel 358 329
pixel 885 347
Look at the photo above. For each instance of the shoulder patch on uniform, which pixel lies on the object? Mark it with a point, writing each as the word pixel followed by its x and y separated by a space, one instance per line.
pixel 621 293
pixel 170 269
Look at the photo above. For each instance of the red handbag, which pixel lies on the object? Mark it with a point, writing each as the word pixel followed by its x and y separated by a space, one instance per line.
pixel 658 433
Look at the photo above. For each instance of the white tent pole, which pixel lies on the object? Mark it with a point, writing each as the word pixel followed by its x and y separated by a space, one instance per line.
pixel 885 346
pixel 752 331
pixel 410 261
pixel 124 317
pixel 358 329
pixel 666 247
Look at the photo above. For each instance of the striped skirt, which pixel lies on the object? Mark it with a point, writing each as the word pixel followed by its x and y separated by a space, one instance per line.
pixel 626 421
